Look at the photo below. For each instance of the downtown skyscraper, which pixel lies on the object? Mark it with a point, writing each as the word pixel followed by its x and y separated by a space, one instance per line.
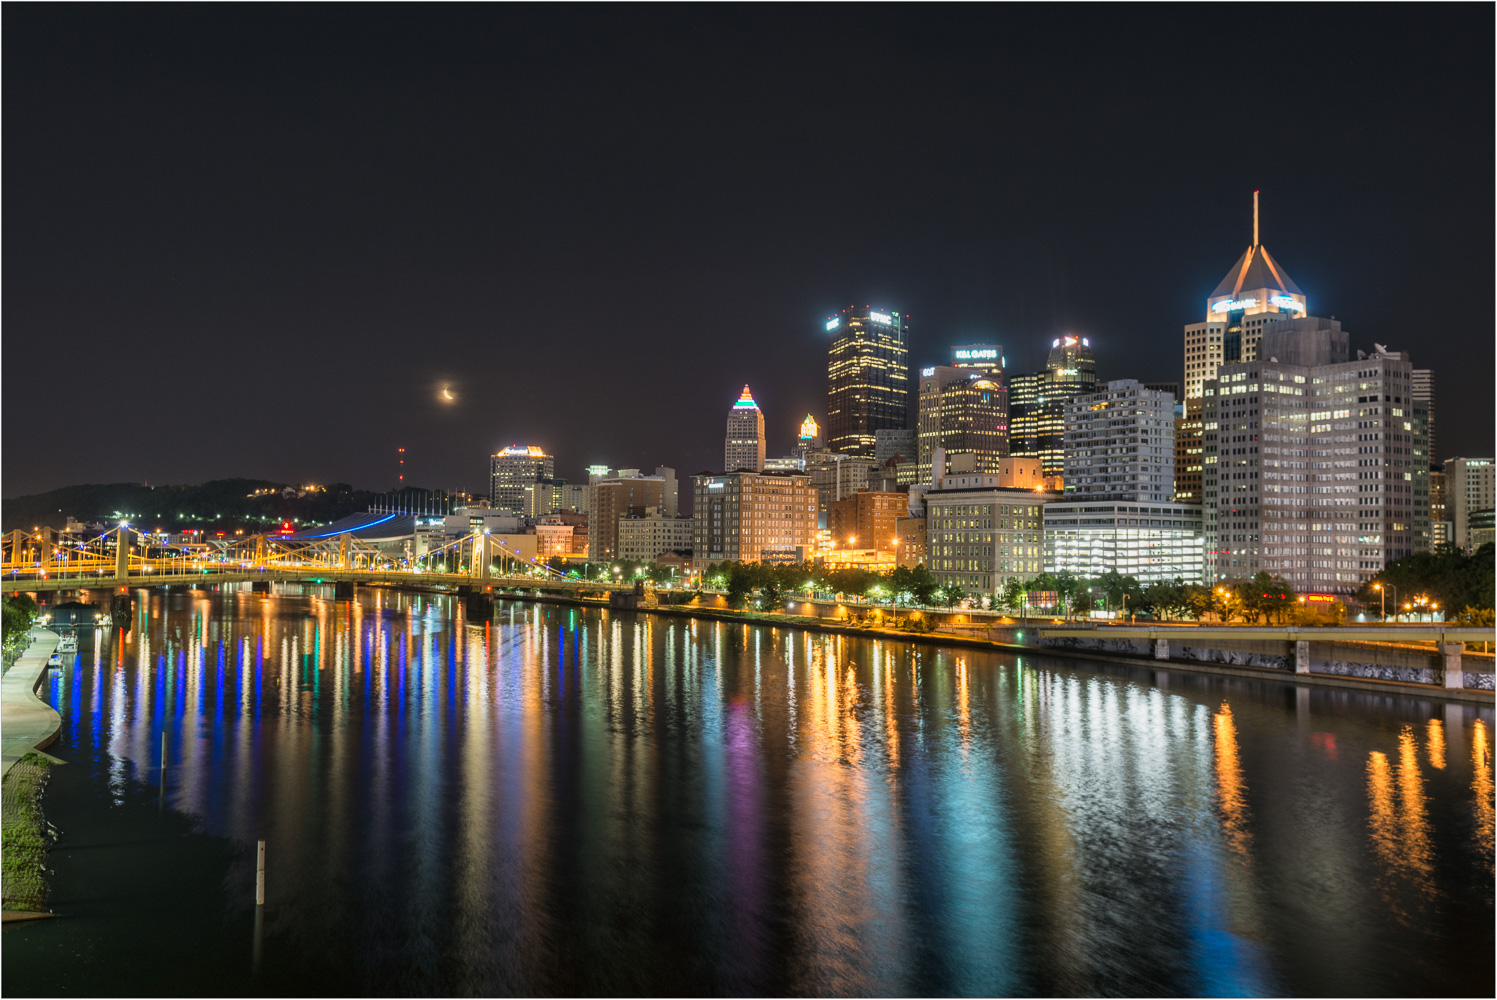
pixel 868 377
pixel 1255 294
pixel 1315 464
pixel 1037 402
pixel 961 411
pixel 515 468
pixel 744 445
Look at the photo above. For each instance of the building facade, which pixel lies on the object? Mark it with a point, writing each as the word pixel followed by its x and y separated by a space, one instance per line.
pixel 1468 490
pixel 867 519
pixel 834 476
pixel 653 535
pixel 1153 541
pixel 912 549
pixel 514 468
pixel 1120 444
pixel 611 500
pixel 743 447
pixel 569 496
pixel 753 517
pixel 896 450
pixel 552 540
pixel 1188 455
pixel 978 537
pixel 1316 473
pixel 961 410
pixel 868 378
pixel 1037 402
pixel 1424 392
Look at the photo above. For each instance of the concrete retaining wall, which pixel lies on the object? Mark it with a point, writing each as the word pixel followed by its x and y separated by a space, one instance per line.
pixel 1340 659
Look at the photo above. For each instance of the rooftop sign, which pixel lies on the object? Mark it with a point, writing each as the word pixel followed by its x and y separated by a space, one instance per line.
pixel 1231 305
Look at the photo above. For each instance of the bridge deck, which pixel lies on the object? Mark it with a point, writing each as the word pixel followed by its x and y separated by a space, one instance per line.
pixel 11 584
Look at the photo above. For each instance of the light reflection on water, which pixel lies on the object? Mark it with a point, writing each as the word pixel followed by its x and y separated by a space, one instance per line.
pixel 578 801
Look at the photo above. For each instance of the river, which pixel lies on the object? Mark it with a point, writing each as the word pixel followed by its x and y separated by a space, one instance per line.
pixel 577 801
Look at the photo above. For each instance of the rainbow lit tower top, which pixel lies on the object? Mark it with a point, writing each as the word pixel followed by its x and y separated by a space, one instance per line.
pixel 809 429
pixel 743 447
pixel 1256 284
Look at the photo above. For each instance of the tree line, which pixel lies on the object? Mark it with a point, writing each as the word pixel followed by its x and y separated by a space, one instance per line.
pixel 1262 599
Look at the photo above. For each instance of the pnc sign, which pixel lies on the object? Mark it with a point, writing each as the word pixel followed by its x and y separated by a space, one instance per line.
pixel 1231 305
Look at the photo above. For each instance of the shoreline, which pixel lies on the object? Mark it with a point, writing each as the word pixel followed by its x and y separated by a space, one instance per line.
pixel 29 723
pixel 808 623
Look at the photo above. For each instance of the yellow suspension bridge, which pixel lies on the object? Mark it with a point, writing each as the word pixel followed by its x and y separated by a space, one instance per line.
pixel 49 560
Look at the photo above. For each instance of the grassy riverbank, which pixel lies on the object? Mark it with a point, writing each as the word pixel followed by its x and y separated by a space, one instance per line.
pixel 25 835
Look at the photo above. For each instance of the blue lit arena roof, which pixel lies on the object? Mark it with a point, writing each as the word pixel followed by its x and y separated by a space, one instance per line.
pixel 364 527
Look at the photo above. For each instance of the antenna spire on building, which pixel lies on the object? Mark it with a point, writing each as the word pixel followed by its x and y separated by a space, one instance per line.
pixel 1255 218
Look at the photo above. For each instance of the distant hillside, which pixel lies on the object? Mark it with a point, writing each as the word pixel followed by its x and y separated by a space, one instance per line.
pixel 224 504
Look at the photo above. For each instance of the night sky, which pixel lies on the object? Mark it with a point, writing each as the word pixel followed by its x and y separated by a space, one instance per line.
pixel 257 241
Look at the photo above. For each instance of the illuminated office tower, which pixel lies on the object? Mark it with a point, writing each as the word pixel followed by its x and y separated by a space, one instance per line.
pixel 514 468
pixel 868 378
pixel 744 446
pixel 1255 293
pixel 1468 491
pixel 808 440
pixel 963 411
pixel 1424 392
pixel 1441 528
pixel 1315 467
pixel 1037 402
pixel 765 517
pixel 928 414
pixel 1120 444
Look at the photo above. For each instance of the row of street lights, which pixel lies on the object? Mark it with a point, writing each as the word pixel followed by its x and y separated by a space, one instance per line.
pixel 1419 605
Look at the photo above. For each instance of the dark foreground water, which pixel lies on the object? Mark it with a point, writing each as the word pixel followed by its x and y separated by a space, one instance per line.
pixel 585 802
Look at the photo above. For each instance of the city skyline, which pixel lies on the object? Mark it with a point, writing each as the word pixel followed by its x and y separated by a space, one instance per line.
pixel 435 327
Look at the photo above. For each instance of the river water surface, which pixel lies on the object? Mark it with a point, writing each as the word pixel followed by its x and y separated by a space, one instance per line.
pixel 578 801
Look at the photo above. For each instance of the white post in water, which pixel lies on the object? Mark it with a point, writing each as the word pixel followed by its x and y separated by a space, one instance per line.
pixel 260 874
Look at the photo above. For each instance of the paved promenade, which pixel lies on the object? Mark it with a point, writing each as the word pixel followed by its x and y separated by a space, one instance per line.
pixel 26 722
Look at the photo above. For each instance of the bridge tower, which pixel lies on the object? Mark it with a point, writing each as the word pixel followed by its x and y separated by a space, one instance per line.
pixel 483 555
pixel 343 543
pixel 122 553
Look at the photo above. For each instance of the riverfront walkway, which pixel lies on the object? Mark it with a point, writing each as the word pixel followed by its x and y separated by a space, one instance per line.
pixel 26 722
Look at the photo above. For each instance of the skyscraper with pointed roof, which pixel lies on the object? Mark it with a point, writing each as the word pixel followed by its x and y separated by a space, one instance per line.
pixel 744 445
pixel 1256 293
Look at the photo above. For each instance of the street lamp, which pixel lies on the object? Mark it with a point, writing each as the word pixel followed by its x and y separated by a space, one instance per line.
pixel 1382 595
